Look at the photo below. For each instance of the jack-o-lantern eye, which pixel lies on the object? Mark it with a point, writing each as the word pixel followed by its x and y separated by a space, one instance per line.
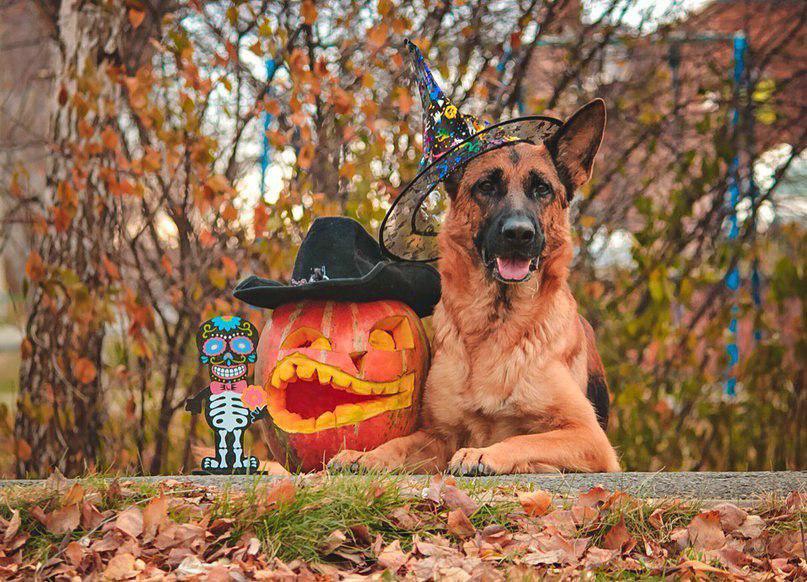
pixel 392 333
pixel 306 337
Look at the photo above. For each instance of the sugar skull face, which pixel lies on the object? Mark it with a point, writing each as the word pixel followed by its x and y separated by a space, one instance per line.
pixel 227 345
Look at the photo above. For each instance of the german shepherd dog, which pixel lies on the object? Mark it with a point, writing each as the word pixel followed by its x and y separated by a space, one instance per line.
pixel 516 383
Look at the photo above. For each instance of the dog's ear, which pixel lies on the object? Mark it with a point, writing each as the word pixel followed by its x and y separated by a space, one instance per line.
pixel 451 183
pixel 576 143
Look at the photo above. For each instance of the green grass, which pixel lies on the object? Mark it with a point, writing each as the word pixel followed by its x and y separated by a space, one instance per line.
pixel 360 507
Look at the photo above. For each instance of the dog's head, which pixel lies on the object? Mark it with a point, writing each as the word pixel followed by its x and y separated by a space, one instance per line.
pixel 515 199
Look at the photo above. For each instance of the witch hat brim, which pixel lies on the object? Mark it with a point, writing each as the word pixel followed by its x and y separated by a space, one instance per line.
pixel 409 230
pixel 410 283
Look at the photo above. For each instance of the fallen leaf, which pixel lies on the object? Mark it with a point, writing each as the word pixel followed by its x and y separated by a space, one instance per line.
pixel 403 517
pixel 130 522
pixel 155 512
pixel 63 520
pixel 459 524
pixel 752 527
pixel 91 518
pixel 455 498
pixel 282 492
pixel 74 552
pixel 120 567
pixel 74 495
pixel 705 532
pixel 598 557
pixel 698 566
pixel 392 557
pixel 584 515
pixel 272 468
pixel 594 497
pixel 562 520
pixel 538 557
pixel 618 538
pixel 656 518
pixel 191 566
pixel 335 539
pixel 13 526
pixel 731 516
pixel 535 503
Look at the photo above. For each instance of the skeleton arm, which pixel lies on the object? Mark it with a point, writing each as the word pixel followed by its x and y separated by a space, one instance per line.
pixel 194 404
pixel 257 414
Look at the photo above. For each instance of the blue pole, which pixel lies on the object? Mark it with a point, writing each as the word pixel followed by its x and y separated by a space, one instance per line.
pixel 733 280
pixel 271 67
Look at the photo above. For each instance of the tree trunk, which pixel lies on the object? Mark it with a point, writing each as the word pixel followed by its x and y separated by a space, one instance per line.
pixel 60 402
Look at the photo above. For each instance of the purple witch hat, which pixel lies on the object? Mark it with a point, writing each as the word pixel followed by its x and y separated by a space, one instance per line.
pixel 450 140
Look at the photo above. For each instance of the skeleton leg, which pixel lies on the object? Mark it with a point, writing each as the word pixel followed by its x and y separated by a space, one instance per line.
pixel 239 452
pixel 222 448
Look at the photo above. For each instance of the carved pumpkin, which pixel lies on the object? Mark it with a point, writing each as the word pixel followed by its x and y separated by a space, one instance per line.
pixel 340 375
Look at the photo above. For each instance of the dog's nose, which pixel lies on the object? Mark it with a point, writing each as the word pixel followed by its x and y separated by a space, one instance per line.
pixel 518 230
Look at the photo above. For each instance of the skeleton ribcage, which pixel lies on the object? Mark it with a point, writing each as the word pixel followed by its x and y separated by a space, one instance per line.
pixel 227 412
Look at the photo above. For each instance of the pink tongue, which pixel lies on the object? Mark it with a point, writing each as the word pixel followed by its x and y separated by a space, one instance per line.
pixel 513 269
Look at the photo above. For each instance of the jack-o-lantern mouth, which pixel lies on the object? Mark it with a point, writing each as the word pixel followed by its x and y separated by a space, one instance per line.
pixel 306 396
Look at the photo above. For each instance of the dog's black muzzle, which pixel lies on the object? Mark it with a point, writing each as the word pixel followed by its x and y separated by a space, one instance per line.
pixel 510 246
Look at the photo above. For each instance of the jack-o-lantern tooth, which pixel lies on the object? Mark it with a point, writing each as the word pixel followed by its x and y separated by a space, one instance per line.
pixel 348 413
pixel 341 379
pixel 305 370
pixel 361 387
pixel 324 375
pixel 326 420
pixel 285 370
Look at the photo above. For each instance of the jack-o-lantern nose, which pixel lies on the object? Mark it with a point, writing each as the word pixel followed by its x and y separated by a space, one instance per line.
pixel 357 358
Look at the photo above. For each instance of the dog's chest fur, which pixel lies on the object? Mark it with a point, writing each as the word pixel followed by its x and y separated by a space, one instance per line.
pixel 492 372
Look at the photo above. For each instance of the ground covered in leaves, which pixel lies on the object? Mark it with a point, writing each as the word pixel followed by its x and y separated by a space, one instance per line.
pixel 381 526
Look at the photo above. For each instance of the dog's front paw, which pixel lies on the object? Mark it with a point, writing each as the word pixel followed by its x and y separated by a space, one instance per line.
pixel 357 461
pixel 478 462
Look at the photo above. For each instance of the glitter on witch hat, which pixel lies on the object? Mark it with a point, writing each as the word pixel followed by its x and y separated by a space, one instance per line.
pixel 450 140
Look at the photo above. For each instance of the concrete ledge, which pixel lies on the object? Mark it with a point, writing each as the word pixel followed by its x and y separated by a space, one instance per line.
pixel 705 486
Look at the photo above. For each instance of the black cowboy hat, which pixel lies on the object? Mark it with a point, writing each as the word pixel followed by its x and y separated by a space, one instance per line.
pixel 339 260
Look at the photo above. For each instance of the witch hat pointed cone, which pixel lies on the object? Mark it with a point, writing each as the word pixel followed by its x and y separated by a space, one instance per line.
pixel 443 124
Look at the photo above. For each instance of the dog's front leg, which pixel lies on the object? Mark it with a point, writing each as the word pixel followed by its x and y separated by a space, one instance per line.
pixel 421 451
pixel 574 449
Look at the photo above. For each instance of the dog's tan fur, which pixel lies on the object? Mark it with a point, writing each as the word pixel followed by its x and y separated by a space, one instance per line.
pixel 506 392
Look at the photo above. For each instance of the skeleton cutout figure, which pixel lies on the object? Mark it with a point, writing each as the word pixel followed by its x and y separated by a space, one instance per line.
pixel 227 346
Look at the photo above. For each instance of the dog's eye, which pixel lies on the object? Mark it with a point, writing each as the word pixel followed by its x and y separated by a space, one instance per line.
pixel 486 186
pixel 541 190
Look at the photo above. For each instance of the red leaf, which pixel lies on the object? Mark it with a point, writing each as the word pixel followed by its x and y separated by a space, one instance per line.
pixel 136 17
pixel 84 370
pixel 34 267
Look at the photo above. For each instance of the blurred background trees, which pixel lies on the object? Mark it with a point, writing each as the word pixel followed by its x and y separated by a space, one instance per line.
pixel 153 153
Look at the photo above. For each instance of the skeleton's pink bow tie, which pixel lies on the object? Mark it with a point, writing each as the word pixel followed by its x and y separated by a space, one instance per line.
pixel 219 387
